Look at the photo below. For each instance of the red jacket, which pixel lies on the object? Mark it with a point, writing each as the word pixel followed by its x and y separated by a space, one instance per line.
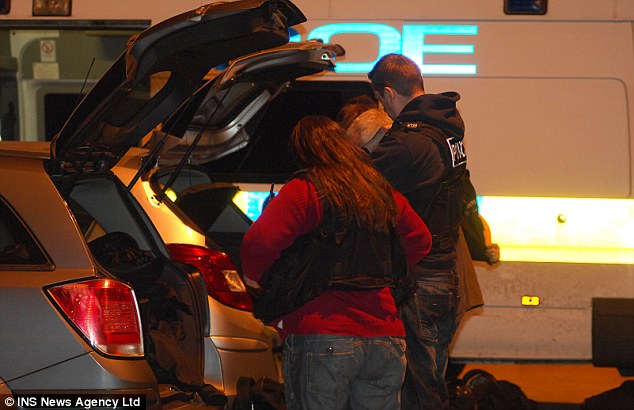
pixel 296 210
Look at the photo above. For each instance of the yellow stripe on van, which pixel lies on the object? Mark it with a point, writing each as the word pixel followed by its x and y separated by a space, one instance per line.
pixel 569 230
pixel 529 229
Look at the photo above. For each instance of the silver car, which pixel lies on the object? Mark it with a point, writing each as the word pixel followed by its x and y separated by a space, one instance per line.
pixel 192 213
pixel 50 343
pixel 90 298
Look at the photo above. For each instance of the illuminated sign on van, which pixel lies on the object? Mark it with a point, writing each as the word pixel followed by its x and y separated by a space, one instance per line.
pixel 410 41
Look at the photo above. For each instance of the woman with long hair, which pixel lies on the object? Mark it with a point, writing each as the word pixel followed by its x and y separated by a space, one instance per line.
pixel 326 252
pixel 347 178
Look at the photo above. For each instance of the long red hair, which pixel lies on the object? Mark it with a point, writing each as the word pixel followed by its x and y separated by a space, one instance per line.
pixel 343 173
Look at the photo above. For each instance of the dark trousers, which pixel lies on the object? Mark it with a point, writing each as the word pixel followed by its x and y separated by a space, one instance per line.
pixel 430 323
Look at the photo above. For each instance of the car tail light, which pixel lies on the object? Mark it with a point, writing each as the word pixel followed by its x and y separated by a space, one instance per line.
pixel 221 276
pixel 106 312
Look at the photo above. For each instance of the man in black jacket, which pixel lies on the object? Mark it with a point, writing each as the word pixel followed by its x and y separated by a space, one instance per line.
pixel 423 157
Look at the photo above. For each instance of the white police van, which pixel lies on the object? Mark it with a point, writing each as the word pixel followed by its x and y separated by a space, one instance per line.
pixel 548 99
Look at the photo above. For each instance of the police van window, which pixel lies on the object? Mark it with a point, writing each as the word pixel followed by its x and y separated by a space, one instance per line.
pixel 45 69
pixel 18 248
pixel 267 157
pixel 5 6
pixel 538 7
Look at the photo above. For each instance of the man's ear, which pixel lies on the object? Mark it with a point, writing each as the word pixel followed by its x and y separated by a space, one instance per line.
pixel 389 93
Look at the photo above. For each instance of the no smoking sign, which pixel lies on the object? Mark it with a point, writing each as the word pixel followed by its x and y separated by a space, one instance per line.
pixel 48 52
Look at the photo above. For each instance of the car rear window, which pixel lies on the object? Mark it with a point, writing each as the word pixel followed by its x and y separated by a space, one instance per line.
pixel 18 248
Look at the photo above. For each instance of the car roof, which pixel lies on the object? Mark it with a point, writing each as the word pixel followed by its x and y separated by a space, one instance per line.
pixel 26 149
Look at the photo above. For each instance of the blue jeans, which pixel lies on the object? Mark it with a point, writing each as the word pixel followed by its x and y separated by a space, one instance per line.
pixel 330 372
pixel 430 323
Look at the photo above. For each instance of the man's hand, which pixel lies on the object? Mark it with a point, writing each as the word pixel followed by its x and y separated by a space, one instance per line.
pixel 492 254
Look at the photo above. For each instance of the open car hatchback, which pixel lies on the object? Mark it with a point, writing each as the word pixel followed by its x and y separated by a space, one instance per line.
pixel 194 215
pixel 123 264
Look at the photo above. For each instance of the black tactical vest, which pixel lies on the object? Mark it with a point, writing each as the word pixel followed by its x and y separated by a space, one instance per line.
pixel 336 255
pixel 445 209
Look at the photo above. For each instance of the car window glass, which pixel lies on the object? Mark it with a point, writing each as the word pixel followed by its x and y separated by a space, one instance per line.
pixel 140 99
pixel 99 209
pixel 17 245
pixel 102 207
pixel 36 100
pixel 114 237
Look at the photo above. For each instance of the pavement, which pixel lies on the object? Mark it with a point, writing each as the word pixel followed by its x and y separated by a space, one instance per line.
pixel 557 386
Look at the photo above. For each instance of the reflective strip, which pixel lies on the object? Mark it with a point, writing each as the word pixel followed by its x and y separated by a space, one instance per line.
pixel 529 229
pixel 570 230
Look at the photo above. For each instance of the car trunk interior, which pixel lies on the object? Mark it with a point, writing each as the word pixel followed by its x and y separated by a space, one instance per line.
pixel 172 303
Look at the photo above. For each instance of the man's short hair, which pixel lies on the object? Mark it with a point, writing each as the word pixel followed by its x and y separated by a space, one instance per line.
pixel 398 72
